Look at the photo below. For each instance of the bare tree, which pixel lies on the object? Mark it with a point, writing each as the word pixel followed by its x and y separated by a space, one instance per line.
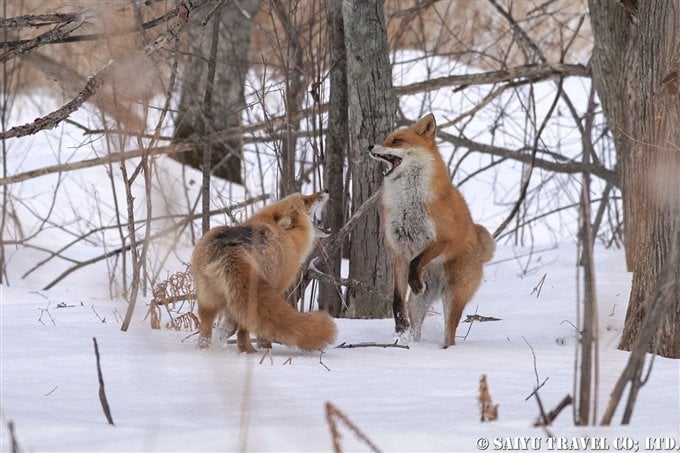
pixel 650 154
pixel 372 110
pixel 330 294
pixel 616 75
pixel 229 101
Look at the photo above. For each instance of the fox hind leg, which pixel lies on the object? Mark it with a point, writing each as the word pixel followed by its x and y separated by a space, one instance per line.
pixel 418 304
pixel 462 280
pixel 210 302
pixel 209 305
pixel 243 341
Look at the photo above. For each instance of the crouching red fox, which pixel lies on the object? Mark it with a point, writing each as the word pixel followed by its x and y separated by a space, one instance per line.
pixel 438 250
pixel 245 269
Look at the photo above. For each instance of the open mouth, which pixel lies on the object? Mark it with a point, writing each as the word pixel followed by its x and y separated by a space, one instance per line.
pixel 391 161
pixel 320 229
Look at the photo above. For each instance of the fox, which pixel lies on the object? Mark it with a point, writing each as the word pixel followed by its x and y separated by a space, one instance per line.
pixel 438 250
pixel 244 270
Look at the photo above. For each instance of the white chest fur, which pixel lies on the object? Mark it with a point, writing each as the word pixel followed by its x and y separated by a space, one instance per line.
pixel 408 227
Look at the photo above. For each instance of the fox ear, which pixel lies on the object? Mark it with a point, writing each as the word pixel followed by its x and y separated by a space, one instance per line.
pixel 287 221
pixel 426 126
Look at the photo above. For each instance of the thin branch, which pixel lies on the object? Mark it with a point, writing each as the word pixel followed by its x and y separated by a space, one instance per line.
pixel 56 33
pixel 87 163
pixel 334 242
pixel 36 20
pixel 552 415
pixel 333 414
pixel 102 393
pixel 89 37
pixel 530 72
pixel 344 345
pixel 667 289
pixel 161 233
pixel 568 166
pixel 527 178
pixel 16 448
pixel 98 80
pixel 347 282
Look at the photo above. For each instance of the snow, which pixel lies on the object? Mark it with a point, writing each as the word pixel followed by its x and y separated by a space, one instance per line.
pixel 167 395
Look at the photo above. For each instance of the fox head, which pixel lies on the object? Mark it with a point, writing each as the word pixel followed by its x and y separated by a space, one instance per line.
pixel 298 208
pixel 406 147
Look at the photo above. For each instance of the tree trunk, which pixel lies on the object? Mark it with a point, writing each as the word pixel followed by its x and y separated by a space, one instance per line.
pixel 229 101
pixel 653 184
pixel 330 294
pixel 615 71
pixel 292 66
pixel 372 110
pixel 637 75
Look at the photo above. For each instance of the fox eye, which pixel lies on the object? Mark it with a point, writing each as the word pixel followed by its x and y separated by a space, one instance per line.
pixel 396 141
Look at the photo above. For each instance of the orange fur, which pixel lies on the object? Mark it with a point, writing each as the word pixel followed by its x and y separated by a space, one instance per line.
pixel 439 251
pixel 245 269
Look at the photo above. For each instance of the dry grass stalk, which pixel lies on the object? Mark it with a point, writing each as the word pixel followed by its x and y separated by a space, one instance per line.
pixel 178 287
pixel 333 415
pixel 489 411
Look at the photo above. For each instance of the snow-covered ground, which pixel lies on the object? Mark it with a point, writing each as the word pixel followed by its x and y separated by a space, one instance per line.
pixel 166 395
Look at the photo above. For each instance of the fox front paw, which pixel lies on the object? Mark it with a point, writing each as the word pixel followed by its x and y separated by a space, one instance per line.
pixel 203 341
pixel 403 338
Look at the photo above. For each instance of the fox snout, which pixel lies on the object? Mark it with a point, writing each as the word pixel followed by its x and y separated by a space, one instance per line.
pixel 382 154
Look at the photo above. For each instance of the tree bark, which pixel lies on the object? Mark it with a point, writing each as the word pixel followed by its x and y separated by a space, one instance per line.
pixel 229 101
pixel 637 75
pixel 615 74
pixel 330 294
pixel 653 182
pixel 372 110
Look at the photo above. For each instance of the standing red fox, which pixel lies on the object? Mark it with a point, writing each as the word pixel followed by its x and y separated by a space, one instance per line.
pixel 245 269
pixel 437 247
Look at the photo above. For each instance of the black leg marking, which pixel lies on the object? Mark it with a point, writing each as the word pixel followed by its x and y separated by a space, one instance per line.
pixel 415 279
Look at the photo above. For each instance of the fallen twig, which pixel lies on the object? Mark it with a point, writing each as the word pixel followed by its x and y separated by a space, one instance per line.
pixel 539 286
pixel 480 318
pixel 267 353
pixel 52 391
pixel 102 393
pixel 102 320
pixel 46 310
pixel 321 360
pixel 370 344
pixel 12 435
pixel 547 419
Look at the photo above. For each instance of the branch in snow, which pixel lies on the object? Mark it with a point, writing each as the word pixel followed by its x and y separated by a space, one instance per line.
pixel 344 345
pixel 552 415
pixel 102 393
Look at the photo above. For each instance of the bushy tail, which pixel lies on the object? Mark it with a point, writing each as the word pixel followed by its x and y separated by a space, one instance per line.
pixel 486 241
pixel 268 315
